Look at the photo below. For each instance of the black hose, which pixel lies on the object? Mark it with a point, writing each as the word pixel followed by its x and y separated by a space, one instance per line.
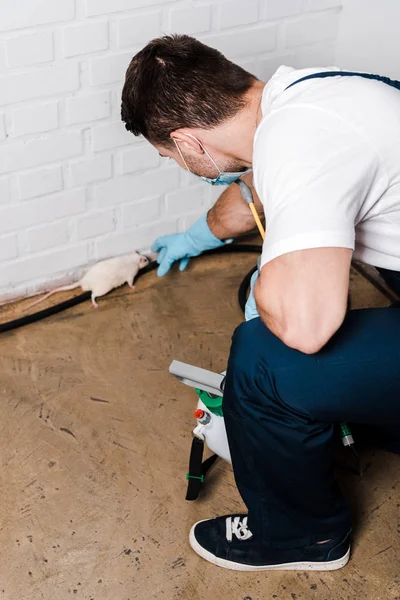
pixel 57 308
pixel 43 314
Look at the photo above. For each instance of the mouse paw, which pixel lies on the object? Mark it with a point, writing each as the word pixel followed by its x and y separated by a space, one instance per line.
pixel 131 286
pixel 95 305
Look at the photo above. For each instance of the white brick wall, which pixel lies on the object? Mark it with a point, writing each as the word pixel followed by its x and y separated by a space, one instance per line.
pixel 48 236
pixel 29 49
pixel 30 13
pixel 146 211
pixel 3 133
pixel 74 185
pixel 34 119
pixel 8 247
pixel 83 39
pixel 87 170
pixel 39 182
pixel 317 28
pixel 59 78
pixel 110 68
pixel 96 224
pixel 190 20
pixel 39 151
pixel 87 107
pixel 270 9
pixel 5 193
pixel 139 29
pixel 21 217
pixel 139 158
pixel 231 14
pixel 371 45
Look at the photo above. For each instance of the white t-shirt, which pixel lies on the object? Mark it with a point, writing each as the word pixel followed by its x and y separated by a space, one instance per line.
pixel 326 166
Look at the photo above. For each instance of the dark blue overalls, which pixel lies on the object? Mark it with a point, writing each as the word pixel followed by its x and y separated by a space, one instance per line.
pixel 281 407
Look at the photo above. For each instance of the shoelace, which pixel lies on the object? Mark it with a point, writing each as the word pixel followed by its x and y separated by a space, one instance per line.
pixel 238 527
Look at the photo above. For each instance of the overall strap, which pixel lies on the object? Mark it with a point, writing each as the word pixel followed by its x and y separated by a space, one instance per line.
pixel 393 82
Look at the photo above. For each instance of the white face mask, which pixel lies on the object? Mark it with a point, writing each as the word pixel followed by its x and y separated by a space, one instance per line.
pixel 224 178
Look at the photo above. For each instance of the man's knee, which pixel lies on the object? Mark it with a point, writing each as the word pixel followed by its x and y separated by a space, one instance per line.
pixel 260 364
pixel 252 350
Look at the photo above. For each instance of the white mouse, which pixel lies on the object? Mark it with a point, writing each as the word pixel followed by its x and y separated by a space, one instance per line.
pixel 104 276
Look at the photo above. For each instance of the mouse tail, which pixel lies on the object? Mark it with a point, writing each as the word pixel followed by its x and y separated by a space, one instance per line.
pixel 64 288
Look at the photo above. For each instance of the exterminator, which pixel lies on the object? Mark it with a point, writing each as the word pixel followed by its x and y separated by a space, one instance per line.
pixel 326 169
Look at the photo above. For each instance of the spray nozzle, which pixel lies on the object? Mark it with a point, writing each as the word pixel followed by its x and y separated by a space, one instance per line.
pixel 245 191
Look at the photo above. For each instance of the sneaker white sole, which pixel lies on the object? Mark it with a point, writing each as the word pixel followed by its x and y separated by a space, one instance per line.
pixel 332 565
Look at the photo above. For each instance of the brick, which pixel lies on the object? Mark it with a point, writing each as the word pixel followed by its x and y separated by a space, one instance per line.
pixel 17 217
pixel 188 179
pixel 207 205
pixel 271 9
pixel 246 63
pixel 82 39
pixel 34 119
pixel 188 220
pixel 39 182
pixel 139 158
pixel 139 213
pixel 109 69
pixel 110 135
pixel 138 29
pixel 29 49
pixel 38 83
pixel 136 238
pixel 311 29
pixel 26 13
pixel 212 194
pixel 3 63
pixel 321 4
pixel 8 247
pixel 318 55
pixel 47 236
pixel 96 224
pixel 5 192
pixel 190 20
pixel 103 7
pixel 82 172
pixel 136 187
pixel 3 133
pixel 237 12
pixel 88 107
pixel 182 201
pixel 246 41
pixel 264 68
pixel 24 155
pixel 44 265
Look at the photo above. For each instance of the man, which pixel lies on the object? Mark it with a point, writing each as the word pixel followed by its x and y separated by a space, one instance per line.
pixel 326 168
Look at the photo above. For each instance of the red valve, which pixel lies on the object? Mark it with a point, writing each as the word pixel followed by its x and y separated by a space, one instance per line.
pixel 199 414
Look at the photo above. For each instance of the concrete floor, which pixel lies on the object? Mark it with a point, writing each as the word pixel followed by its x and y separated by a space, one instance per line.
pixel 95 437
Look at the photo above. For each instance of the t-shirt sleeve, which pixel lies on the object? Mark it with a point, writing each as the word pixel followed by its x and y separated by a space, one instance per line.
pixel 313 172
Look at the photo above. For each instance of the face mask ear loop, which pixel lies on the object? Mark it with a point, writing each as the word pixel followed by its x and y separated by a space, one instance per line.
pixel 205 152
pixel 181 155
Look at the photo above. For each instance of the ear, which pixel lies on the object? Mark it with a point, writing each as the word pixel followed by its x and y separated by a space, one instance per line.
pixel 186 140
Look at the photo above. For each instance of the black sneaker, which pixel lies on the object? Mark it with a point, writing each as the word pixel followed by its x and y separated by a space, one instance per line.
pixel 228 542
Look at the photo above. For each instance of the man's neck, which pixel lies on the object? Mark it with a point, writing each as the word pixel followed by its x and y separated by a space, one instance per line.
pixel 236 136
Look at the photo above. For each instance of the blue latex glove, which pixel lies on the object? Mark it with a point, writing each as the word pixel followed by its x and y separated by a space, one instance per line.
pixel 181 246
pixel 250 310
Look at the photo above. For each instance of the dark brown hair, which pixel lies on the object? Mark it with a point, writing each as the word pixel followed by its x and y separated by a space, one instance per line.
pixel 176 81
